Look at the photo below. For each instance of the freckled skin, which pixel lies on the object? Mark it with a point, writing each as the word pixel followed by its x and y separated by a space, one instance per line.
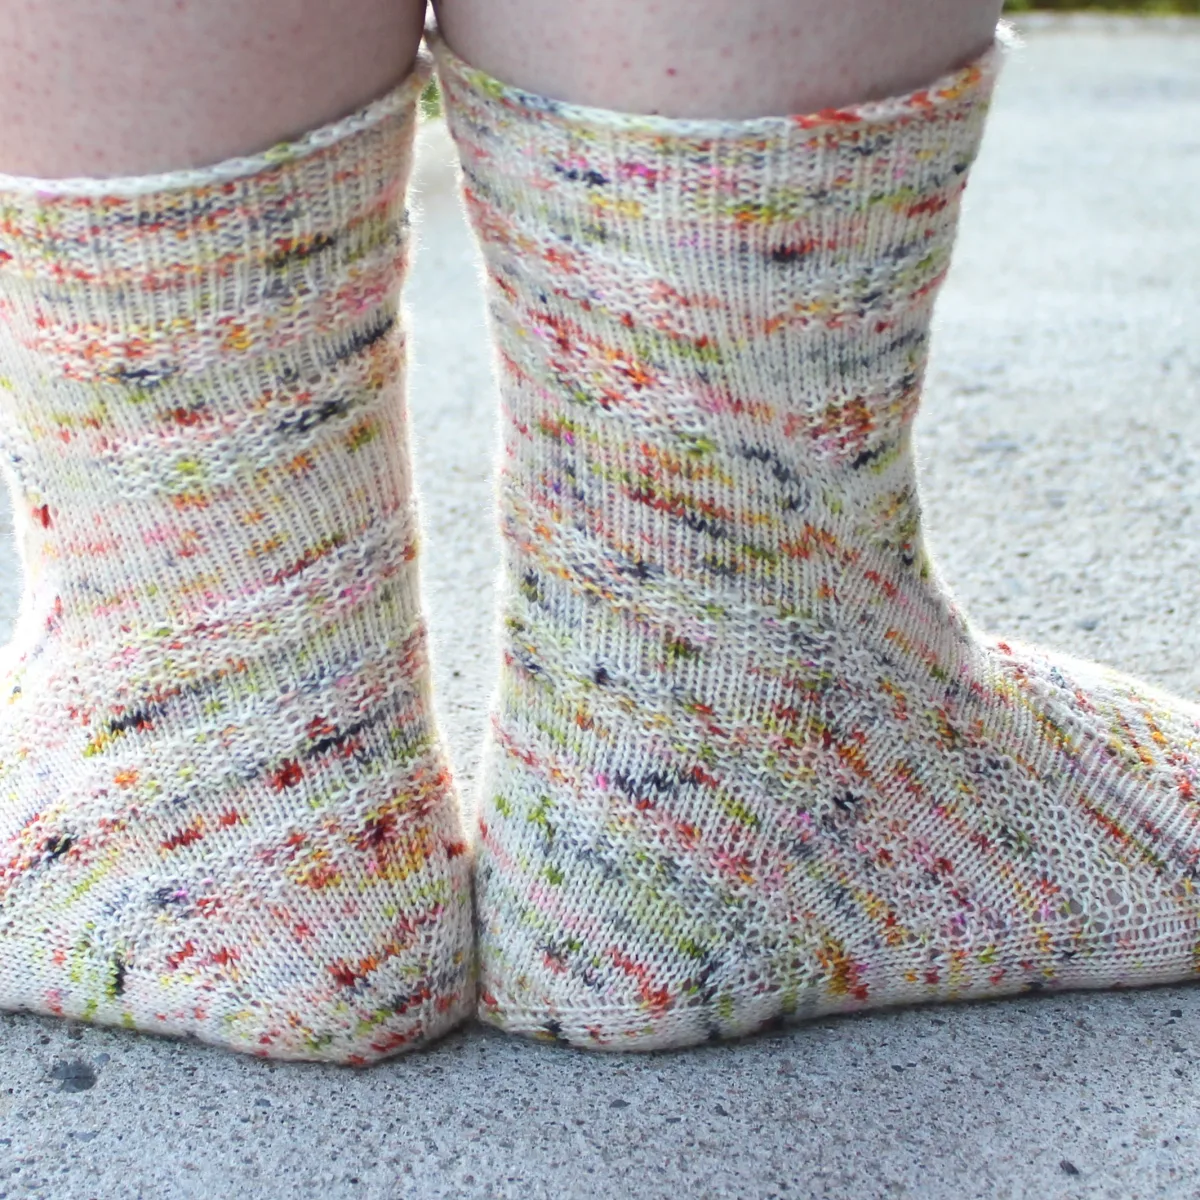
pixel 132 87
pixel 136 86
pixel 717 58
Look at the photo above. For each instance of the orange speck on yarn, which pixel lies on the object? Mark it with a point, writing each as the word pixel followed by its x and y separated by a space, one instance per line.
pixel 288 776
pixel 393 1041
pixel 181 955
pixel 343 974
pixel 193 833
pixel 933 204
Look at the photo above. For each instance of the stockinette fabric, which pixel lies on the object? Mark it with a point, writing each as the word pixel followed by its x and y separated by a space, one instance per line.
pixel 224 809
pixel 750 762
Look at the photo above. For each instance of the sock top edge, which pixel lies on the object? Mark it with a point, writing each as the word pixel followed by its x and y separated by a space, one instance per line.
pixel 395 102
pixel 977 75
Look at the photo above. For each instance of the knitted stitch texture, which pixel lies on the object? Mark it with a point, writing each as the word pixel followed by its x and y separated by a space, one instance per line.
pixel 224 809
pixel 750 762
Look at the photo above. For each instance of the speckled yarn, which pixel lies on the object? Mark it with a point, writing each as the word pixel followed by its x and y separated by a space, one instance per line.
pixel 224 809
pixel 750 762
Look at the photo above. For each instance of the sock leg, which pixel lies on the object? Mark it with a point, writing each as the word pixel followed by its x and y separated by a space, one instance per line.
pixel 224 807
pixel 750 761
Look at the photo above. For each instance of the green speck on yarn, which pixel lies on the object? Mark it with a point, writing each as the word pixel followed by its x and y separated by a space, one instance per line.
pixel 886 458
pixel 681 650
pixel 760 553
pixel 540 815
pixel 738 811
pixel 407 750
pixel 655 347
pixel 530 590
pixel 281 152
pixel 698 447
pixel 486 84
pixel 110 987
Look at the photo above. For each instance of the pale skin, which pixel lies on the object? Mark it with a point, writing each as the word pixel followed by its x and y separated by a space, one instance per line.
pixel 718 58
pixel 131 87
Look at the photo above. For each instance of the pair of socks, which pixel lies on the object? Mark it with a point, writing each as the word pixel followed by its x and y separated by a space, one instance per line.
pixel 748 761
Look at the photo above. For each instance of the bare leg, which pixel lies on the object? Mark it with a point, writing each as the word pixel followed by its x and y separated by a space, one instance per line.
pixel 136 86
pixel 715 58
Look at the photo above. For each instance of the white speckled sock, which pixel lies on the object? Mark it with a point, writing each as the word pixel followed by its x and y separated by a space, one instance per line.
pixel 224 809
pixel 750 762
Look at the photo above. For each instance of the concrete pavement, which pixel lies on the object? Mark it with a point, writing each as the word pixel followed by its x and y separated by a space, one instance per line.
pixel 1061 449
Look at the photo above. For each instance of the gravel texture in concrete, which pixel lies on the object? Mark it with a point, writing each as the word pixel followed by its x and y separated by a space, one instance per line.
pixel 1061 450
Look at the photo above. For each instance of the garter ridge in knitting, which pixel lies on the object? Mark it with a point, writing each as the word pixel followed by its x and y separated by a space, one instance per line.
pixel 224 809
pixel 750 762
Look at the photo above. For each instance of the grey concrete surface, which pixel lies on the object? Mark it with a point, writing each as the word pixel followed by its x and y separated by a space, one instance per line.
pixel 1061 443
